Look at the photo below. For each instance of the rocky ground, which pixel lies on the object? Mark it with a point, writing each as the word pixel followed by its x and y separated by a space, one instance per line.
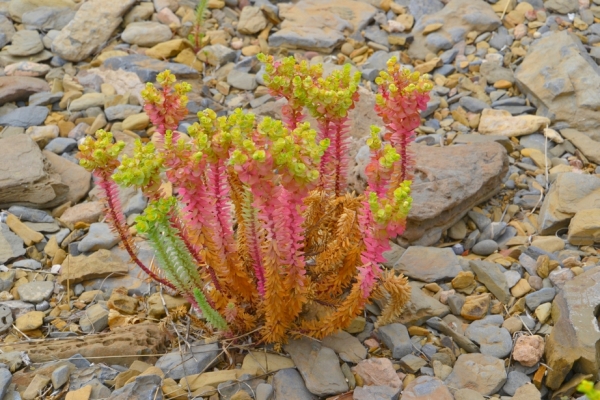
pixel 500 242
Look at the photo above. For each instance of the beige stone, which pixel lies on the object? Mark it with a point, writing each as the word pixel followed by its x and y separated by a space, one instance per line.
pixel 475 307
pixel 35 386
pixel 81 394
pixel 527 392
pixel 88 212
pixel 501 122
pixel 521 288
pixel 528 350
pixel 549 243
pixel 28 235
pixel 267 362
pixel 168 49
pixel 30 321
pixel 542 312
pixel 121 302
pixel 584 228
pixel 213 378
pixel 98 265
pixel 463 279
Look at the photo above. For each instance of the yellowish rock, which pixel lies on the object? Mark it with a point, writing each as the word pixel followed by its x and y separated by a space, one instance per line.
pixel 28 235
pixel 124 377
pixel 216 4
pixel 406 20
pixel 81 394
pixel 432 28
pixel 213 378
pixel 168 49
pixel 30 321
pixel 584 228
pixel 463 280
pixel 188 57
pixel 537 156
pixel 543 312
pixel 136 122
pixel 521 288
pixel 173 391
pixel 267 362
pixel 549 243
pixel 501 122
pixel 502 84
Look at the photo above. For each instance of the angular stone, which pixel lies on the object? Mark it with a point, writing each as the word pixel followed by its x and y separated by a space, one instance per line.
pixel 568 194
pixel 377 371
pixel 396 338
pixel 492 277
pixel 288 384
pixel 146 33
pixel 30 321
pixel 475 307
pixel 458 17
pixel 314 25
pixel 584 229
pixel 428 264
pixel 25 117
pixel 147 68
pixel 17 8
pixel 98 265
pixel 142 341
pixel 16 88
pixel 77 178
pixel 492 340
pixel 421 307
pixel 144 387
pixel 572 342
pixel 425 388
pixel 36 292
pixel 588 146
pixel 23 166
pixel 267 362
pixel 318 365
pixel 554 90
pixel 375 393
pixel 11 246
pixel 92 26
pixel 348 347
pixel 501 122
pixel 484 374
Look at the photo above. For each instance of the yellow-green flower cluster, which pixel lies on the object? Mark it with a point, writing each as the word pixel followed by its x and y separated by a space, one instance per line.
pixel 397 209
pixel 156 212
pixel 142 169
pixel 102 153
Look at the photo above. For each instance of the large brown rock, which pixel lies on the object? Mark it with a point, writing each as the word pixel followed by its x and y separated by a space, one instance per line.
pixel 458 17
pixel 122 346
pixel 565 86
pixel 17 8
pixel 319 25
pixel 77 178
pixel 449 181
pixel 15 88
pixel 26 177
pixel 570 193
pixel 90 29
pixel 83 268
pixel 573 343
pixel 421 307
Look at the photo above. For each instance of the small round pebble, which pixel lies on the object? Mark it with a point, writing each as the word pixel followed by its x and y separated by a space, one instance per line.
pixel 485 247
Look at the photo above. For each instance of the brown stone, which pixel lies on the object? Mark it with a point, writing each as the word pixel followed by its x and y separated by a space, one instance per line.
pixel 122 346
pixel 572 342
pixel 88 212
pixel 463 280
pixel 16 88
pixel 28 235
pixel 121 302
pixel 80 394
pixel 377 371
pixel 426 388
pixel 521 288
pixel 98 265
pixel 475 307
pixel 77 178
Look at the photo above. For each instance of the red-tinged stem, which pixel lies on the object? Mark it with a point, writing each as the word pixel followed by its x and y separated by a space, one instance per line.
pixel 341 156
pixel 114 211
pixel 259 268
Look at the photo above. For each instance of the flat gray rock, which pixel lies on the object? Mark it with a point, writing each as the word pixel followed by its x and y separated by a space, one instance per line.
pixel 36 292
pixel 199 359
pixel 319 367
pixel 428 264
pixel 11 246
pixel 147 68
pixel 25 117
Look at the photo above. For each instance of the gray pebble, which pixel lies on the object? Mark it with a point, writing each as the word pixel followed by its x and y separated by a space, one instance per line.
pixel 60 376
pixel 515 380
pixel 545 295
pixel 485 247
pixel 396 338
pixel 36 292
pixel 27 264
